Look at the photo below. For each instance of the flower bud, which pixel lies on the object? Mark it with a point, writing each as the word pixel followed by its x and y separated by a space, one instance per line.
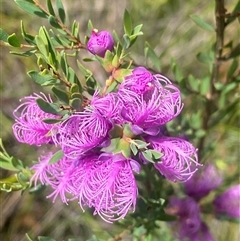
pixel 100 42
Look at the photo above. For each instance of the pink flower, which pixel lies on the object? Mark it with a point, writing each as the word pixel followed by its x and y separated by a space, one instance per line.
pixel 148 100
pixel 29 126
pixel 229 202
pixel 203 182
pixel 179 161
pixel 100 42
pixel 105 183
pixel 81 132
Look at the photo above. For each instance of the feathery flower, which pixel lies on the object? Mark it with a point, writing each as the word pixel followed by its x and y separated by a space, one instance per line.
pixel 189 221
pixel 149 100
pixel 29 126
pixel 108 106
pixel 229 202
pixel 203 182
pixel 81 132
pixel 179 161
pixel 104 182
pixel 100 42
pixel 114 186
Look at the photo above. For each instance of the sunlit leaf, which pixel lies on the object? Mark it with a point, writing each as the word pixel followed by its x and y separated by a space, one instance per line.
pixel 13 40
pixel 201 23
pixel 127 23
pixel 31 8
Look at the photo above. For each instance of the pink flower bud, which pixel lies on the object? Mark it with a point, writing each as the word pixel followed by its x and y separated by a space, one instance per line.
pixel 100 42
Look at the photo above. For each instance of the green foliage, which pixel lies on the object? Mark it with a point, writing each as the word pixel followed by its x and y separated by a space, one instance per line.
pixel 201 23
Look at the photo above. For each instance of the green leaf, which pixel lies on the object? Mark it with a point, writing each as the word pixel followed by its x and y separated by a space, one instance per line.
pixel 51 121
pixel 176 70
pixel 134 149
pixel 73 79
pixel 232 68
pixel 119 74
pixel 6 164
pixel 50 7
pixel 3 35
pixel 31 8
pixel 61 10
pixel 24 54
pixel 150 53
pixel 74 88
pixel 27 37
pixel 17 163
pixel 41 46
pixel 76 103
pixel 40 79
pixel 205 85
pixel 127 23
pixel 37 189
pixel 56 157
pixel 140 144
pixel 53 21
pixel 28 237
pixel 43 238
pixel 194 83
pixel 52 55
pixel 90 26
pixel 61 95
pixel 152 155
pixel 13 40
pixel 48 107
pixel 75 29
pixel 204 58
pixel 236 9
pixel 127 41
pixel 201 23
pixel 156 154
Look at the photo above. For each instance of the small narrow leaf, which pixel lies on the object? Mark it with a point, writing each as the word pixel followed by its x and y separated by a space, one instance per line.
pixel 60 94
pixel 50 7
pixel 31 8
pixel 127 23
pixel 53 21
pixel 76 103
pixel 41 46
pixel 56 157
pixel 3 35
pixel 47 107
pixel 7 165
pixel 90 26
pixel 61 10
pixel 232 68
pixel 28 237
pixel 201 23
pixel 24 54
pixel 40 79
pixel 134 149
pixel 51 121
pixel 27 37
pixel 13 40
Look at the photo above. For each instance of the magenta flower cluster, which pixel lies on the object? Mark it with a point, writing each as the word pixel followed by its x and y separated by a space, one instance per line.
pixel 98 177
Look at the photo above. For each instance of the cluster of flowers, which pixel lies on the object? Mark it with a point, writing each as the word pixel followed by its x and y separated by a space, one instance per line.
pixel 189 226
pixel 98 179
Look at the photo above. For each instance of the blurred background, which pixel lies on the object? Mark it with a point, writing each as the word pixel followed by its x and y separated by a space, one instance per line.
pixel 168 28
